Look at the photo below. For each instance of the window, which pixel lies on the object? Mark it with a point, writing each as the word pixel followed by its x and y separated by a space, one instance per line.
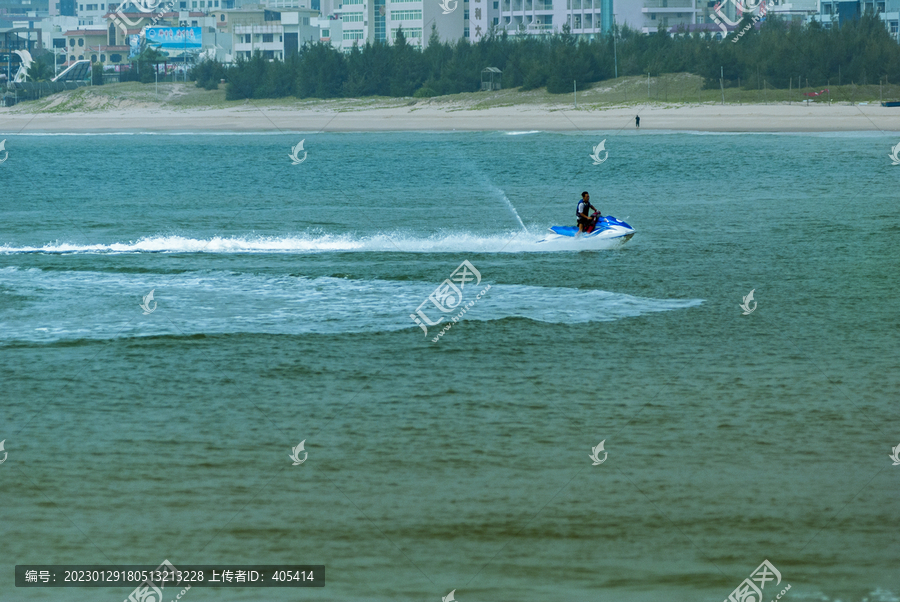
pixel 306 20
pixel 80 42
pixel 326 33
pixel 72 42
pixel 352 18
pixel 653 16
pixel 405 15
pixel 465 15
pixel 102 58
pixel 80 57
pixel 247 39
pixel 496 20
pixel 465 32
pixel 82 7
pixel 217 3
pixel 116 58
pixel 202 3
pixel 223 17
pixel 93 58
pixel 353 1
pixel 413 32
pixel 280 39
pixel 72 58
pixel 353 34
pixel 496 5
pixel 182 5
pixel 268 38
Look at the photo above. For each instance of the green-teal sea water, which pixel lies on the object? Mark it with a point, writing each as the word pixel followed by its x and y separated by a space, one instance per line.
pixel 281 310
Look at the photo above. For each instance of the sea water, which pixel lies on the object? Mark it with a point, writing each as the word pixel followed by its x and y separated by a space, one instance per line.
pixel 283 310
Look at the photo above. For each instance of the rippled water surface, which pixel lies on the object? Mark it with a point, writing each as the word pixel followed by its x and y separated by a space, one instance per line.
pixel 281 312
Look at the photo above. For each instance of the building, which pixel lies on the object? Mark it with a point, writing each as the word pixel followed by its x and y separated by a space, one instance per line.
pixel 274 33
pixel 79 41
pixel 832 13
pixel 379 20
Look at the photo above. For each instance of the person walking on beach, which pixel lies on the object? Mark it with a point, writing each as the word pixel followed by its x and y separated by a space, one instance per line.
pixel 637 121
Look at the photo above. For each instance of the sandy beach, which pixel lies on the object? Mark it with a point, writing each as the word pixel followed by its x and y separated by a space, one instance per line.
pixel 427 115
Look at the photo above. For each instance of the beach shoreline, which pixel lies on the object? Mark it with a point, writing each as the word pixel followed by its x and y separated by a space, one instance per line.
pixel 428 116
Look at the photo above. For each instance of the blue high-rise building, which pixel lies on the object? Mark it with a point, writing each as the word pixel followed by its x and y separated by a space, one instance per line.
pixel 606 16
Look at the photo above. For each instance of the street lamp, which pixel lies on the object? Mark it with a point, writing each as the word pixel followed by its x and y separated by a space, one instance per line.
pixel 184 52
pixel 615 44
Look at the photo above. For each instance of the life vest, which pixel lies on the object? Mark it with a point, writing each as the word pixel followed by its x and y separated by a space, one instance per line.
pixel 582 208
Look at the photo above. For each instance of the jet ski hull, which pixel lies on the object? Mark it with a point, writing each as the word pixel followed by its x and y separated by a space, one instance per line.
pixel 609 232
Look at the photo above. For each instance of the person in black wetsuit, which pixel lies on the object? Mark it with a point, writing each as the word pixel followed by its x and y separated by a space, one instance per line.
pixel 583 212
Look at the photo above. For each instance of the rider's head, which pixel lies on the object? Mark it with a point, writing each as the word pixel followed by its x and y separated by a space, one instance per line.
pixel 585 195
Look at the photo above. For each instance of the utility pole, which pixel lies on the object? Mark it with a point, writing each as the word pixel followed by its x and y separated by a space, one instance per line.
pixel 575 91
pixel 722 82
pixel 615 44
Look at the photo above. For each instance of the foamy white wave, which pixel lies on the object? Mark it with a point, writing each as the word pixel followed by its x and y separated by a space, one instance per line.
pixel 522 133
pixel 100 305
pixel 511 242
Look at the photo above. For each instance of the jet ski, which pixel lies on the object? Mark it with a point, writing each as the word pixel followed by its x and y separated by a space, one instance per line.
pixel 606 232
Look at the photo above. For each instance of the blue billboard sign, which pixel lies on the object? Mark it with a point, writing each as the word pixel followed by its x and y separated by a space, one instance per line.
pixel 175 38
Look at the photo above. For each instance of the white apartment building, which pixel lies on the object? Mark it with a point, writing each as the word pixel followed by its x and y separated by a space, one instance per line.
pixel 274 33
pixel 585 18
pixel 378 21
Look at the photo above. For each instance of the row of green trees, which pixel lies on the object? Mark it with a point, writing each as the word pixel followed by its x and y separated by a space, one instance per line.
pixel 860 51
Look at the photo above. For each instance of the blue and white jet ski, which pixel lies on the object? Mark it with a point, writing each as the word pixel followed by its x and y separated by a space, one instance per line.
pixel 607 232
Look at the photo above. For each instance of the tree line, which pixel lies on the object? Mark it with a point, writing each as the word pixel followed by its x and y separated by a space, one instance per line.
pixel 860 51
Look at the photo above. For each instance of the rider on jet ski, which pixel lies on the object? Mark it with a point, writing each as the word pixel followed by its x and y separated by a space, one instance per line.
pixel 585 221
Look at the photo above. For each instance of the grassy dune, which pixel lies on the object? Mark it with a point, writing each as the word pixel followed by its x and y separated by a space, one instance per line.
pixel 664 90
